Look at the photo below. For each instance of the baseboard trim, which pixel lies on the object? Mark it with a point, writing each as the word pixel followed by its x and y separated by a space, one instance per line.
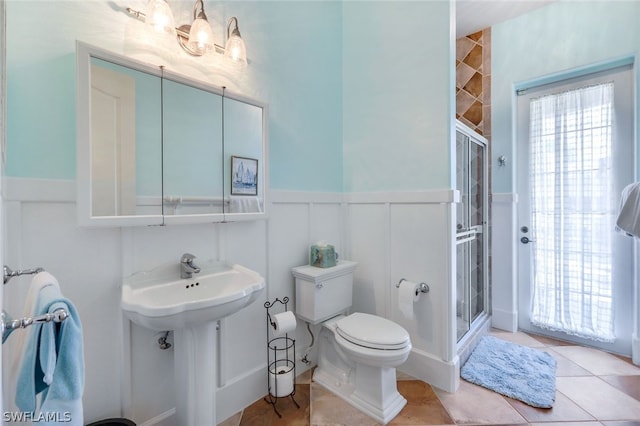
pixel 160 417
pixel 240 392
pixel 441 374
pixel 504 320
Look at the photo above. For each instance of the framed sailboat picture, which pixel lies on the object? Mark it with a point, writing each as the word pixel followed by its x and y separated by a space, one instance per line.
pixel 244 176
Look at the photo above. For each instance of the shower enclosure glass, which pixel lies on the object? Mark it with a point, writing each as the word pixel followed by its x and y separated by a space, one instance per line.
pixel 471 237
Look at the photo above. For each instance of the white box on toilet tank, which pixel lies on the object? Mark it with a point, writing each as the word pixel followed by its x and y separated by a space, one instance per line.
pixel 322 293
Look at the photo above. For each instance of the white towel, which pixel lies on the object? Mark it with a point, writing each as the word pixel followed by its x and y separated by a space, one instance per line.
pixel 244 204
pixel 629 216
pixel 38 282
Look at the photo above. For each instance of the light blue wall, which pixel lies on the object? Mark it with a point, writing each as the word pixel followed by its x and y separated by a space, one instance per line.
pixel 296 64
pixel 295 56
pixel 373 88
pixel 551 41
pixel 398 95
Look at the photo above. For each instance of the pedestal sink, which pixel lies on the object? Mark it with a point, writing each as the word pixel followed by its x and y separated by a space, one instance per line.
pixel 191 307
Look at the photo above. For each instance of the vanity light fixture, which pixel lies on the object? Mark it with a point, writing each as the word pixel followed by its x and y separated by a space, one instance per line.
pixel 195 39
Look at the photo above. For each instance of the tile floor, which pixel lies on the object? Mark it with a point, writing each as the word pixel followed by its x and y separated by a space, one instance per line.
pixel 592 388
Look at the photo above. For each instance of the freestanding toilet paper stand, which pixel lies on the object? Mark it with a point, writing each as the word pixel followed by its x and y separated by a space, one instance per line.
pixel 281 355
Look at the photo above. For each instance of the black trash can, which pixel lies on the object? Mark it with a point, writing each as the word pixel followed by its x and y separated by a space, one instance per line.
pixel 113 422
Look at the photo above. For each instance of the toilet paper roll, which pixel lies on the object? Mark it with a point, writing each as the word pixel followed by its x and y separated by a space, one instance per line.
pixel 283 322
pixel 408 294
pixel 280 382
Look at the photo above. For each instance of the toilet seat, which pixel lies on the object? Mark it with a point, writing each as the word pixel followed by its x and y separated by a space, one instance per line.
pixel 371 331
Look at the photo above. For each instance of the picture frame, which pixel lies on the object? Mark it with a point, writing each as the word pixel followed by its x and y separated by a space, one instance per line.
pixel 244 176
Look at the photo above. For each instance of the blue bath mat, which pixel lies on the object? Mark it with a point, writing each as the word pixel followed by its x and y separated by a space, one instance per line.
pixel 516 371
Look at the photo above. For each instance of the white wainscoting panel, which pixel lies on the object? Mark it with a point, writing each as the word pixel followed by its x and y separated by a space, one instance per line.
pixel 297 220
pixel 390 235
pixel 504 274
pixel 86 262
pixel 126 372
pixel 409 235
pixel 368 230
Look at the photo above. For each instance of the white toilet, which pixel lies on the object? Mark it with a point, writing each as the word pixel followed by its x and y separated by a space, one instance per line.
pixel 358 353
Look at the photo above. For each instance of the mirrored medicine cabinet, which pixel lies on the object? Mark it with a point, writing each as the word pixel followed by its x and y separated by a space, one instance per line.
pixel 155 147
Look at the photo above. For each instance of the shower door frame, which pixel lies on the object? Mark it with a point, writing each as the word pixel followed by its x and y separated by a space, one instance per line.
pixel 470 234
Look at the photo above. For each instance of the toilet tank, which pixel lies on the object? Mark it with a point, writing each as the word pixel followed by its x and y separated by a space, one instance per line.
pixel 322 293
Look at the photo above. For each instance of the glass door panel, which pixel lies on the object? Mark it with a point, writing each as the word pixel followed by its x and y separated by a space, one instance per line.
pixel 471 223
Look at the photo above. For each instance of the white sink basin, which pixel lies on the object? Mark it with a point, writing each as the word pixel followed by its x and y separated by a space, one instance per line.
pixel 161 300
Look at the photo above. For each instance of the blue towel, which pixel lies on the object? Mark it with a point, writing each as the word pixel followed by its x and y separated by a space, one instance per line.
pixel 53 365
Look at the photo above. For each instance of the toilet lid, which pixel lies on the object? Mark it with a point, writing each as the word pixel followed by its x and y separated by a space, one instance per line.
pixel 372 331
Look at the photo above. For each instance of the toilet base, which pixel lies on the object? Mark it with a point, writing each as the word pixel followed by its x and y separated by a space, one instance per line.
pixel 383 405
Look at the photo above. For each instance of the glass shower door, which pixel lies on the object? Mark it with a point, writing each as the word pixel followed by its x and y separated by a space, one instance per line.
pixel 471 244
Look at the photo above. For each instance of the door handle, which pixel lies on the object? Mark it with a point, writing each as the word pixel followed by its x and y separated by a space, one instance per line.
pixel 526 240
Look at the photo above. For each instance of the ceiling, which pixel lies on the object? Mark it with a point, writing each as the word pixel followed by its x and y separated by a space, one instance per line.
pixel 475 15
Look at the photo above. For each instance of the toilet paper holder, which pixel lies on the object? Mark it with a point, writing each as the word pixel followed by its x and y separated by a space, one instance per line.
pixel 422 287
pixel 281 356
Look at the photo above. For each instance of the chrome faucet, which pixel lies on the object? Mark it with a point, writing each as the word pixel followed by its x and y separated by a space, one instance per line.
pixel 187 268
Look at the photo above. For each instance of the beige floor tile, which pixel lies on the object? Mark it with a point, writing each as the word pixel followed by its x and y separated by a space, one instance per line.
pixel 627 384
pixel 598 398
pixel 423 406
pixel 550 341
pixel 567 424
pixel 518 338
pixel 328 409
pixel 597 362
pixel 563 410
pixel 629 423
pixel 624 358
pixel 262 413
pixel 473 404
pixel 304 378
pixel 233 420
pixel 564 366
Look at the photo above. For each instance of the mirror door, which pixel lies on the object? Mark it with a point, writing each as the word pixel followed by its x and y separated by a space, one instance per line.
pixel 192 159
pixel 119 150
pixel 244 158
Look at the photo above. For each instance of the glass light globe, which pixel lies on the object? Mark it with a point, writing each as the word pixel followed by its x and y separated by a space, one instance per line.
pixel 159 16
pixel 236 50
pixel 200 37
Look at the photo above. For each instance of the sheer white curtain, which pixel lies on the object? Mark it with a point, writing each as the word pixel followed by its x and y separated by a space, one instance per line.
pixel 572 211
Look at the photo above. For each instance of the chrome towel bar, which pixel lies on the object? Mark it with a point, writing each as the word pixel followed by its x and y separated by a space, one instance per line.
pixel 9 273
pixel 57 316
pixel 8 325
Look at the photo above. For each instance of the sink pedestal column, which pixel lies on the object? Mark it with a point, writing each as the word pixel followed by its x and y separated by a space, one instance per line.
pixel 195 369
